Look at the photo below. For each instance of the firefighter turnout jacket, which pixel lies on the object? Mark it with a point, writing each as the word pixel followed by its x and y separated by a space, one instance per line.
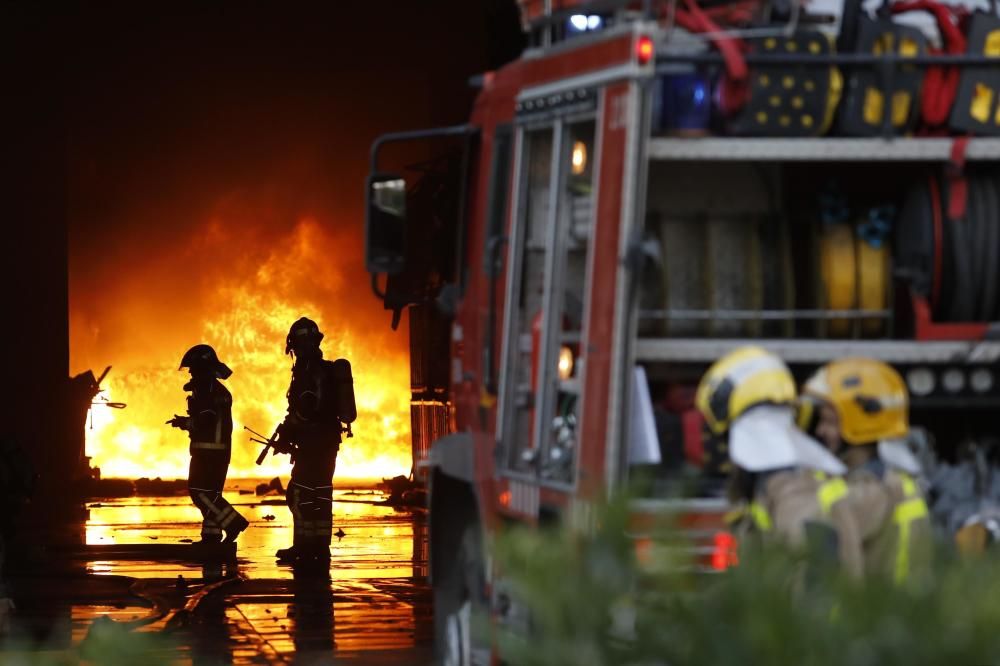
pixel 889 509
pixel 210 417
pixel 792 507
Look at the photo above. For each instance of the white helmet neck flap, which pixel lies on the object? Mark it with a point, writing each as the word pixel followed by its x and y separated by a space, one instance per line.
pixel 765 438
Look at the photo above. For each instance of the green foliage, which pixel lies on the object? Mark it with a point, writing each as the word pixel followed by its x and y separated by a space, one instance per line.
pixel 113 644
pixel 590 603
pixel 572 584
pixel 107 643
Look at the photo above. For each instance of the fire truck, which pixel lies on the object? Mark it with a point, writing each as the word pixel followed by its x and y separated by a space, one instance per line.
pixel 650 185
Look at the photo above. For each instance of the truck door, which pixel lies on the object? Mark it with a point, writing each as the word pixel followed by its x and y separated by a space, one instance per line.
pixel 544 357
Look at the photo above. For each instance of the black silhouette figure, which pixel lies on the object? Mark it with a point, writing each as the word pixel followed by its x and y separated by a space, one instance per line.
pixel 320 409
pixel 209 423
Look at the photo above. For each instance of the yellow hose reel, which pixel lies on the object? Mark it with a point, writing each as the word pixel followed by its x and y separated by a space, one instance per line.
pixel 855 276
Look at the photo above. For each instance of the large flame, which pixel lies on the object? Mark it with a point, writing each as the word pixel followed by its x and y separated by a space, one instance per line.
pixel 244 310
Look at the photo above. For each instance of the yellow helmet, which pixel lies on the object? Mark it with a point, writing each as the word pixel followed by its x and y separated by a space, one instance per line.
pixel 869 397
pixel 741 379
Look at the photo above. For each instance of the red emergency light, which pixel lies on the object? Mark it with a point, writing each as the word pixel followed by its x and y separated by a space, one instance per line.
pixel 644 50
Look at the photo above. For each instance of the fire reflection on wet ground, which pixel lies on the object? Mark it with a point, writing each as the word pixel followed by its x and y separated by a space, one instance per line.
pixel 378 540
pixel 373 607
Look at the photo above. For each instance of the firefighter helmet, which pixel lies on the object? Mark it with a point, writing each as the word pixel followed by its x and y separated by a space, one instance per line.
pixel 742 379
pixel 203 357
pixel 869 397
pixel 304 330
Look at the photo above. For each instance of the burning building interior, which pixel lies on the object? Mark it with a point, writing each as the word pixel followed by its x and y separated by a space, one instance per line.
pixel 194 174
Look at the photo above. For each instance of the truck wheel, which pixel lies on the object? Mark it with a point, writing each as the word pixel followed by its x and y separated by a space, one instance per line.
pixel 458 597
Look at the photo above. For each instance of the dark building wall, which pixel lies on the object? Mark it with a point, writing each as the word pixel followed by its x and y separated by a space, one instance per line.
pixel 34 277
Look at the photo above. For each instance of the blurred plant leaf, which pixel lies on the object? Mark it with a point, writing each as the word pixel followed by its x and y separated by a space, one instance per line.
pixel 590 603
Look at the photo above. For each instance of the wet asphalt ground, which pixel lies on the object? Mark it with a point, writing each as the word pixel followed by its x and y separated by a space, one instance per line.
pixel 123 587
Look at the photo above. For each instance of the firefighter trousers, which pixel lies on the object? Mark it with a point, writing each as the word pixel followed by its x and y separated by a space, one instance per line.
pixel 310 495
pixel 206 479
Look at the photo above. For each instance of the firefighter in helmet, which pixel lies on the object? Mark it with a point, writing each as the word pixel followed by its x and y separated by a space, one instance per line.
pixel 858 408
pixel 787 487
pixel 320 407
pixel 209 424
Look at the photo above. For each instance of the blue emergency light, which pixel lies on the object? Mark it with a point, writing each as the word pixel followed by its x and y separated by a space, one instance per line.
pixel 686 102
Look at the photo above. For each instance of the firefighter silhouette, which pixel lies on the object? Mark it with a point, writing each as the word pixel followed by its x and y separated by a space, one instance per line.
pixel 209 423
pixel 320 408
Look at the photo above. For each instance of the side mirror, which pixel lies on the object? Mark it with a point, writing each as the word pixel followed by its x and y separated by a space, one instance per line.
pixel 385 224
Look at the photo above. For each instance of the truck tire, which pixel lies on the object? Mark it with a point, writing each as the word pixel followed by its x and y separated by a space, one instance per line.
pixel 458 601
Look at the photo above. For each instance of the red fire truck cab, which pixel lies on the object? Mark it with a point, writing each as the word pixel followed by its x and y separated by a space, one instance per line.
pixel 570 270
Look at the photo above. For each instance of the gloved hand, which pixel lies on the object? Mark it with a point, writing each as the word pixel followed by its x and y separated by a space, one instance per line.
pixel 285 441
pixel 182 422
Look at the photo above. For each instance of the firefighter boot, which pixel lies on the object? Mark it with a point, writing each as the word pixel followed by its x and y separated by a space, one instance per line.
pixel 301 552
pixel 207 540
pixel 237 525
pixel 312 558
pixel 211 534
pixel 316 551
pixel 289 554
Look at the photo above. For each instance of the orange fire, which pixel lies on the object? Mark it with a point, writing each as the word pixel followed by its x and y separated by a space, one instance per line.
pixel 250 289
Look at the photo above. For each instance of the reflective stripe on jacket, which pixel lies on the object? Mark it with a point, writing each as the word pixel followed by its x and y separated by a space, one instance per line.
pixel 909 516
pixel 832 489
pixel 894 523
pixel 210 412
